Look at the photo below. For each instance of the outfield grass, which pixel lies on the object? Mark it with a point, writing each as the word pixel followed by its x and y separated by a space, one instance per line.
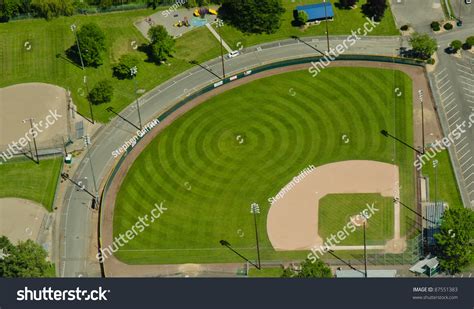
pixel 446 189
pixel 336 210
pixel 22 178
pixel 344 22
pixel 282 134
pixel 50 38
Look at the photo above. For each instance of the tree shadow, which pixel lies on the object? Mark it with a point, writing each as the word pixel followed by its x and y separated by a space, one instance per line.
pixel 67 59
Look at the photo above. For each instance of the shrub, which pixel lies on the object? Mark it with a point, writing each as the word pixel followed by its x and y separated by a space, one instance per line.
pixel 456 45
pixel 404 27
pixel 469 42
pixel 435 26
pixel 430 61
pixel 123 67
pixel 448 26
pixel 101 93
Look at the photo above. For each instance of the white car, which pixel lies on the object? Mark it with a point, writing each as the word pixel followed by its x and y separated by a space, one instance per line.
pixel 233 54
pixel 468 1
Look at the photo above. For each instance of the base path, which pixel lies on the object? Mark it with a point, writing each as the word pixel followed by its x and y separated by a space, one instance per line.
pixel 292 221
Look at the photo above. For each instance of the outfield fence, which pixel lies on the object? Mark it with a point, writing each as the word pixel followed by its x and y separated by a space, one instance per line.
pixel 413 248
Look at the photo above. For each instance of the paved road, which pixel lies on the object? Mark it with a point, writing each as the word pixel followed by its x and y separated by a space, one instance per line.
pixel 76 226
pixel 418 14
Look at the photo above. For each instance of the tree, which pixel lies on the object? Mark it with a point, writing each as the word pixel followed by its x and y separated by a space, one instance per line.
pixel 456 45
pixel 101 93
pixel 52 8
pixel 302 18
pixel 122 68
pixel 423 45
pixel 92 43
pixel 375 9
pixel 162 44
pixel 9 9
pixel 454 239
pixel 26 260
pixel 318 269
pixel 469 43
pixel 253 16
pixel 345 4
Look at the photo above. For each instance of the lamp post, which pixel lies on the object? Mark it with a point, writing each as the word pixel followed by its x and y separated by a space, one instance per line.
pixel 218 25
pixel 327 28
pixel 34 139
pixel 133 72
pixel 420 95
pixel 255 209
pixel 87 143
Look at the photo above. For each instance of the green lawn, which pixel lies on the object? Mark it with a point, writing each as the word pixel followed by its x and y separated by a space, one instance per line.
pixel 274 272
pixel 335 211
pixel 344 22
pixel 447 189
pixel 25 179
pixel 50 38
pixel 282 134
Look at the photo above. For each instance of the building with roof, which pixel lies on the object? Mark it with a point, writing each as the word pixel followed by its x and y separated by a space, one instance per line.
pixel 433 212
pixel 428 266
pixel 318 11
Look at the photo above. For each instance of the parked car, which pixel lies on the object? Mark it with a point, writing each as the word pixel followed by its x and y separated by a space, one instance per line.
pixel 233 54
pixel 468 1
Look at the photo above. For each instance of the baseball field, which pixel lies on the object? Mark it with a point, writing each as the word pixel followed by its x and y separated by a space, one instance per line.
pixel 241 147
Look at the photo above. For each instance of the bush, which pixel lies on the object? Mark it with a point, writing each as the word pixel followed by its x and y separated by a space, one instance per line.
pixel 430 61
pixel 123 67
pixel 456 45
pixel 302 18
pixel 469 43
pixel 101 93
pixel 404 27
pixel 448 26
pixel 435 26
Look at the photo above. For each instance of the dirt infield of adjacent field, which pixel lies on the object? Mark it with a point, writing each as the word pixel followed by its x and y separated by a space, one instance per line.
pixel 292 221
pixel 32 100
pixel 116 268
pixel 20 219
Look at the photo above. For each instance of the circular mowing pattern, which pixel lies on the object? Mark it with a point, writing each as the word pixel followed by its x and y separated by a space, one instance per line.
pixel 242 147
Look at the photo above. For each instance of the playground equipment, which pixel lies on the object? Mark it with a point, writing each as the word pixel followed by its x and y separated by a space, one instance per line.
pixel 182 23
pixel 201 12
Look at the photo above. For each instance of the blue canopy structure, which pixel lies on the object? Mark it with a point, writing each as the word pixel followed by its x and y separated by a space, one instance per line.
pixel 316 11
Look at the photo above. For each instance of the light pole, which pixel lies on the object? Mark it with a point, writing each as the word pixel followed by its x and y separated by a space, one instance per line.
pixel 255 209
pixel 326 17
pixel 420 94
pixel 34 139
pixel 87 143
pixel 73 29
pixel 133 72
pixel 218 25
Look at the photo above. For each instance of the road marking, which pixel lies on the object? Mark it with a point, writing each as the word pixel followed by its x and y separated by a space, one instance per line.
pixel 469 95
pixel 441 87
pixel 446 90
pixel 467 152
pixel 442 78
pixel 451 109
pixel 462 148
pixel 450 94
pixel 464 72
pixel 457 112
pixel 469 79
pixel 467 161
pixel 468 89
pixel 463 66
pixel 459 142
pixel 472 174
pixel 472 165
pixel 440 72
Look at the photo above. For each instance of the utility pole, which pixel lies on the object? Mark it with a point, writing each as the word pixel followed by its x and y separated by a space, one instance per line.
pixel 326 17
pixel 34 139
pixel 87 143
pixel 133 72
pixel 74 30
pixel 80 186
